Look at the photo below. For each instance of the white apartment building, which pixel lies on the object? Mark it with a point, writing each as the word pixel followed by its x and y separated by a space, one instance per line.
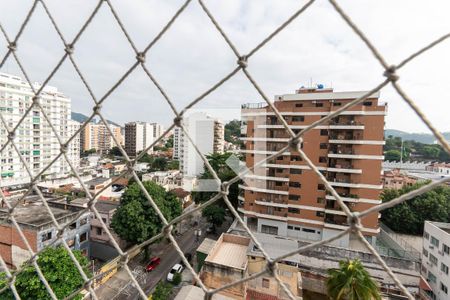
pixel 208 135
pixel 436 260
pixel 140 135
pixel 34 138
pixel 177 142
pixel 158 130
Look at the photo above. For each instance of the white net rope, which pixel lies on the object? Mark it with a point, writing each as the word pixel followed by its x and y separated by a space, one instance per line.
pixel 294 143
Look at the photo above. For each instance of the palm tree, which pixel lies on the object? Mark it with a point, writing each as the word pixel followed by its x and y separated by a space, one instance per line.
pixel 351 282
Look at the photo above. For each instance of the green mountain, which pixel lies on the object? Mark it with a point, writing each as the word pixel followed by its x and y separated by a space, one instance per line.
pixel 425 138
pixel 79 117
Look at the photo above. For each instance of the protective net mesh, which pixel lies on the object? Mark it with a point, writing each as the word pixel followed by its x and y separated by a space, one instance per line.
pixel 243 60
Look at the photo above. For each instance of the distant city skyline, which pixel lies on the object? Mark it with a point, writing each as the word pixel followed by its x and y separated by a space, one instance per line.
pixel 327 52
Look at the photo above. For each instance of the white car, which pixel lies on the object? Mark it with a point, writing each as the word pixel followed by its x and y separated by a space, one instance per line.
pixel 175 269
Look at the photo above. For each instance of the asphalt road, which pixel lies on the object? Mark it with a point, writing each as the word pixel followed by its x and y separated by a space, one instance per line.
pixel 169 257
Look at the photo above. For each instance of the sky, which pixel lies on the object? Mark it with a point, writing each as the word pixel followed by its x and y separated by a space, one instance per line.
pixel 192 56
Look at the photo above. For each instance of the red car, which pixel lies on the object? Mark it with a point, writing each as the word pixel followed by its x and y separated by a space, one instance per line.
pixel 154 262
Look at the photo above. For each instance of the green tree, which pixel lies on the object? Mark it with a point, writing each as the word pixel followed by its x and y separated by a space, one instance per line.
pixel 162 291
pixel 431 151
pixel 233 132
pixel 351 281
pixel 177 279
pixel 224 172
pixel 59 271
pixel 392 155
pixel 159 164
pixel 115 151
pixel 146 158
pixel 410 216
pixel 169 142
pixel 173 165
pixel 215 214
pixel 135 219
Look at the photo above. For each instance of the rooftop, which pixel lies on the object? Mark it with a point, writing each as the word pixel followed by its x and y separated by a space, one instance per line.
pixel 206 246
pixel 443 226
pixel 191 292
pixel 275 246
pixel 36 214
pixel 325 96
pixel 230 251
pixel 97 180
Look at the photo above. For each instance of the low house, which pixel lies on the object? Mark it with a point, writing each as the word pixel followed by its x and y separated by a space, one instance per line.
pixel 396 179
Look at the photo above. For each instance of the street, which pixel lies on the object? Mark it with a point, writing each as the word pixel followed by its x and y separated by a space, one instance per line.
pixel 119 286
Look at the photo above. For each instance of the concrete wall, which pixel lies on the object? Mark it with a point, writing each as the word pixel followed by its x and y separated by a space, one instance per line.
pixel 215 276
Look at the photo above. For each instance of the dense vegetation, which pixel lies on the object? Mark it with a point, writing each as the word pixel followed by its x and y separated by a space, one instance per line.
pixel 409 216
pixel 233 132
pixel 135 219
pixel 218 162
pixel 413 150
pixel 59 271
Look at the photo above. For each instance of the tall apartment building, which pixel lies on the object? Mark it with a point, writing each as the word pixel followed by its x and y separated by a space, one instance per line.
pixel 208 135
pixel 34 138
pixel 284 196
pixel 96 136
pixel 436 261
pixel 140 135
pixel 158 130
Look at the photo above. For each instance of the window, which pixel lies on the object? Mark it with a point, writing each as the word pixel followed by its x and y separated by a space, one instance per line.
pixel 444 268
pixel 294 197
pixel 46 236
pixel 367 103
pixel 433 259
pixel 298 119
pixel 319 104
pixel 266 283
pixel 322 159
pixel 320 200
pixel 83 237
pixel 279 170
pixel 295 184
pixel 293 210
pixel 73 225
pixel 320 213
pixel 83 221
pixel 99 231
pixel 321 187
pixel 323 145
pixel 337 104
pixel 434 241
pixel 278 183
pixel 299 105
pixel 280 157
pixel 446 249
pixel 426 235
pixel 296 158
pixel 323 132
pixel 431 277
pixel 269 229
pixel 297 228
pixel 308 230
pixel 296 171
pixel 290 227
pixel 444 288
pixel 425 252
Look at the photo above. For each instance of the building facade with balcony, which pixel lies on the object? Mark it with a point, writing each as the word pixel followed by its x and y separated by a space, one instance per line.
pixel 139 136
pixel 96 136
pixel 283 196
pixel 436 261
pixel 34 137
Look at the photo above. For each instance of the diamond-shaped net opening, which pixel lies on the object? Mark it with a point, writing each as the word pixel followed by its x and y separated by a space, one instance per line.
pixel 35 106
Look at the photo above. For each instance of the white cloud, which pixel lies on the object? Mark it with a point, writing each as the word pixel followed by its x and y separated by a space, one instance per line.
pixel 192 56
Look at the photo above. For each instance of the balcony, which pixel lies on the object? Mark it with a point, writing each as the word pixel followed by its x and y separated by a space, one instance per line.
pixel 336 221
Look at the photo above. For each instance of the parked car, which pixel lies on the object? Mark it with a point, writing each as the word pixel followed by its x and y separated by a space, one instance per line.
pixel 154 262
pixel 175 269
